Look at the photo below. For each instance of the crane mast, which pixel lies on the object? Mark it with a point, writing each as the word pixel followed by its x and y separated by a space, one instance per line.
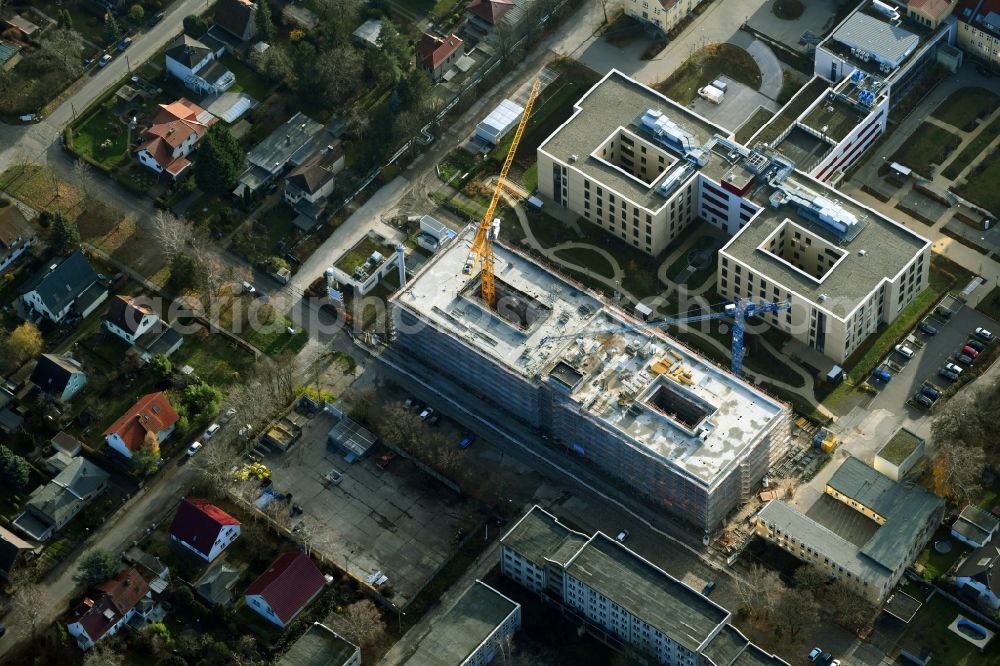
pixel 481 252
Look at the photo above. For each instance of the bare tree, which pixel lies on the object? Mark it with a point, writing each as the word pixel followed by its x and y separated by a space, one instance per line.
pixel 957 469
pixel 361 623
pixel 794 611
pixel 808 577
pixel 759 592
pixel 24 606
pixel 172 233
pixel 83 178
pixel 103 654
pixel 852 610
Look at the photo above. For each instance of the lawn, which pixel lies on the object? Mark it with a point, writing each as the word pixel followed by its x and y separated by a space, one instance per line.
pixel 702 243
pixel 587 259
pixel 936 564
pixel 359 254
pixel 214 358
pixel 102 138
pixel 966 106
pixel 981 184
pixel 928 145
pixel 88 24
pixel 972 150
pixel 706 66
pixel 991 304
pixel 930 628
pixel 247 80
pixel 274 338
pixel 38 187
pixel 530 178
pixel 268 232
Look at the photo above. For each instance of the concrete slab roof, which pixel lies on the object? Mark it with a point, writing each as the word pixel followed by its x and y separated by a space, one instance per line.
pixel 886 42
pixel 539 536
pixel 454 636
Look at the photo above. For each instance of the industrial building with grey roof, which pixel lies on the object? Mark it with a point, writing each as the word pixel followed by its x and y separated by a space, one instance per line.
pixel 865 527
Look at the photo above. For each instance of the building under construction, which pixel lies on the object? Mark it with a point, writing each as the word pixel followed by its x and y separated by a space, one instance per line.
pixel 648 411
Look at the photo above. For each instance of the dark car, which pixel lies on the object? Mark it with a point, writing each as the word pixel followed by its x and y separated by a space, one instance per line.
pixel 467 441
pixel 978 346
pixel 924 327
pixel 825 659
pixel 930 392
pixel 923 400
pixel 944 313
pixel 709 586
pixel 964 359
pixel 950 375
pixel 156 18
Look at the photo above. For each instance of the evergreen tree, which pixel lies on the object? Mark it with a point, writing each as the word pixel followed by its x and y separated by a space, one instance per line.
pixel 64 235
pixel 112 31
pixel 220 160
pixel 265 24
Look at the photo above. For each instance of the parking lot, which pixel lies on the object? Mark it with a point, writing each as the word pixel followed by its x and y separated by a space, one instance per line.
pixel 923 367
pixel 397 520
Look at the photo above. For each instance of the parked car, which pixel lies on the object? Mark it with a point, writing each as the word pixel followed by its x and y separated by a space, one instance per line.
pixel 622 536
pixel 409 404
pixel 434 420
pixel 426 413
pixel 825 659
pixel 930 392
pixel 249 288
pixel 984 334
pixel 969 351
pixel 905 351
pixel 467 441
pixel 105 59
pixel 957 369
pixel 228 415
pixel 814 654
pixel 924 327
pixel 124 44
pixel 943 312
pixel 923 400
pixel 881 375
pixel 210 431
pixel 384 459
pixel 978 346
pixel 950 375
pixel 964 359
pixel 709 586
pixel 193 449
pixel 835 662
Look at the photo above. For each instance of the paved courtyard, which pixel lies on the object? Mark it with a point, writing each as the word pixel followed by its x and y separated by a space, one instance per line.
pixel 816 20
pixel 398 520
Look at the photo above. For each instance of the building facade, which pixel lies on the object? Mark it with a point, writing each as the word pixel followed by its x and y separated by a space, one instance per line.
pixel 979 29
pixel 661 16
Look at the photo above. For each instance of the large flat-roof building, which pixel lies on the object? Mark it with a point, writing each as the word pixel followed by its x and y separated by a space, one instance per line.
pixel 622 598
pixel 643 168
pixel 471 633
pixel 865 529
pixel 649 412
pixel 979 29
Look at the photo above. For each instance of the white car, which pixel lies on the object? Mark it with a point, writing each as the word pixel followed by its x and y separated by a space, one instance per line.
pixel 105 59
pixel 228 416
pixel 193 449
pixel 984 334
pixel 622 536
pixel 210 431
pixel 426 414
pixel 249 288
pixel 814 654
pixel 904 351
pixel 957 369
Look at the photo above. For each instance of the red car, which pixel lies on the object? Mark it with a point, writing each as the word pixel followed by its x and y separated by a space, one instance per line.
pixel 969 351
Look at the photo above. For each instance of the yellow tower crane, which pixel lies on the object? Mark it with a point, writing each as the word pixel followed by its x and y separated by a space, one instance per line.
pixel 481 252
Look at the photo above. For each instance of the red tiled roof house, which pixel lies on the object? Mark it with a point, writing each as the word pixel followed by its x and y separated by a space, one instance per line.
pixel 286 588
pixel 203 528
pixel 107 608
pixel 435 55
pixel 172 136
pixel 487 13
pixel 151 413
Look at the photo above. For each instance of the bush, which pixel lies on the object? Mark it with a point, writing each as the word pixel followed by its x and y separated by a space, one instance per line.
pixel 195 26
pixel 202 398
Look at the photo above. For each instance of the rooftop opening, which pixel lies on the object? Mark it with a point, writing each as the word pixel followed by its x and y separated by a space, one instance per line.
pixel 633 155
pixel 566 374
pixel 802 250
pixel 681 406
pixel 513 305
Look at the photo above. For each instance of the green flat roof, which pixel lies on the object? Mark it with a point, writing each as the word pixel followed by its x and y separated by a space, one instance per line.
pixel 900 446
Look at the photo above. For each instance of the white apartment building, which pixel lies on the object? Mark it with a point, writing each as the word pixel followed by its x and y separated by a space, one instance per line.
pixel 621 598
pixel 643 168
pixel 660 15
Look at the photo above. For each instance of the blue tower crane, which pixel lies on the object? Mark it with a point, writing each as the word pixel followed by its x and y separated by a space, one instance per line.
pixel 739 310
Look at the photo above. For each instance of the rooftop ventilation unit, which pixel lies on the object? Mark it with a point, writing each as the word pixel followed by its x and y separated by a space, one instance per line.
pixel 886 10
pixel 667 131
pixel 573 158
pixel 823 297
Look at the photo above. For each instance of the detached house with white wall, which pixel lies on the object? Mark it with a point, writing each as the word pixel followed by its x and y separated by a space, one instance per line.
pixel 128 319
pixel 16 235
pixel 69 285
pixel 197 66
pixel 173 134
pixel 152 413
pixel 203 528
pixel 108 608
pixel 59 376
pixel 281 592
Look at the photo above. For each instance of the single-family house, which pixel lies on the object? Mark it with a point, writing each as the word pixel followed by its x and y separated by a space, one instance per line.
pixel 152 568
pixel 152 413
pixel 321 646
pixel 53 505
pixel 23 25
pixel 281 592
pixel 16 235
pixel 14 551
pixel 216 584
pixel 128 318
pixel 975 526
pixel 203 528
pixel 160 340
pixel 308 185
pixel 978 575
pixel 65 286
pixel 60 376
pixel 436 55
pixel 108 607
pixel 173 134
pixel 289 145
pixel 485 14
pixel 197 66
pixel 236 17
